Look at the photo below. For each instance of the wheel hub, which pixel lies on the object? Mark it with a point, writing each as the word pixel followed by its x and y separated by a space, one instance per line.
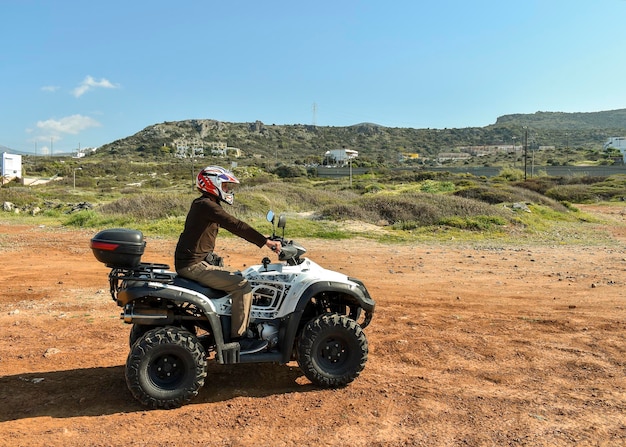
pixel 333 351
pixel 166 367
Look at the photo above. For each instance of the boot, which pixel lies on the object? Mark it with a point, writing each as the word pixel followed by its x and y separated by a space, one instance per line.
pixel 250 345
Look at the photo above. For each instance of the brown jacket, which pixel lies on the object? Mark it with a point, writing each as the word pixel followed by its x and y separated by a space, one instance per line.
pixel 203 221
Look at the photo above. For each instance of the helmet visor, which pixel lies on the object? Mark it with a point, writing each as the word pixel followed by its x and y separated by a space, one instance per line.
pixel 229 187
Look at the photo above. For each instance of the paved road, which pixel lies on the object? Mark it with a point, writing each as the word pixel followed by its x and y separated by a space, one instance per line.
pixel 554 171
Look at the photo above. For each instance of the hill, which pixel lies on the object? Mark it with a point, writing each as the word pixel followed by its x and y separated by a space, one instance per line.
pixel 614 119
pixel 307 143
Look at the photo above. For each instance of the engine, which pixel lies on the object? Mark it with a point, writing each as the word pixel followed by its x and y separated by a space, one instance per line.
pixel 269 332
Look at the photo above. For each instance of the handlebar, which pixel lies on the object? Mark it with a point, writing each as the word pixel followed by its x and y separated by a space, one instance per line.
pixel 289 251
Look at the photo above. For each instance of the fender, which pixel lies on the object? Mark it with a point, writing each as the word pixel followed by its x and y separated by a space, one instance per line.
pixel 358 293
pixel 177 295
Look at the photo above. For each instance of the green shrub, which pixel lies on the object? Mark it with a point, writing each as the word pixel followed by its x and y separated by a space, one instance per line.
pixel 474 223
pixel 434 186
pixel 290 171
pixel 301 197
pixel 486 194
pixel 537 184
pixel 157 183
pixel 397 208
pixel 510 174
pixel 91 219
pixel 373 188
pixel 149 206
pixel 251 203
pixel 19 196
pixel 572 193
pixel 408 210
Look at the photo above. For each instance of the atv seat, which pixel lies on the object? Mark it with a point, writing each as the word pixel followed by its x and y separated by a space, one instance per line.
pixel 209 292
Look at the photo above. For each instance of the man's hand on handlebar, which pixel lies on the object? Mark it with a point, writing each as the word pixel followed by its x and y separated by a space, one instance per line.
pixel 275 246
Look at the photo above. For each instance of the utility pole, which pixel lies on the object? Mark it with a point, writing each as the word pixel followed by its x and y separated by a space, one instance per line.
pixel 514 153
pixel 76 169
pixel 525 150
pixel 350 164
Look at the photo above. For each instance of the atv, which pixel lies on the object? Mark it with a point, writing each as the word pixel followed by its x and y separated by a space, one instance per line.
pixel 302 311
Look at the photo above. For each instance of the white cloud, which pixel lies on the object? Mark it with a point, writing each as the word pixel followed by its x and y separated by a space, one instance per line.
pixel 50 88
pixel 90 83
pixel 68 125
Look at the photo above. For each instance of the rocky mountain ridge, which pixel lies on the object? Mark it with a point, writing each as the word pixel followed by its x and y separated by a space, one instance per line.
pixel 302 142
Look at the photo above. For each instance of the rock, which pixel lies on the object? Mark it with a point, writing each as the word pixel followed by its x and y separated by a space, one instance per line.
pixel 80 207
pixel 520 206
pixel 50 352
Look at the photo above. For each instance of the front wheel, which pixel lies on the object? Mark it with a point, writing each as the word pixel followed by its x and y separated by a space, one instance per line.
pixel 332 350
pixel 166 367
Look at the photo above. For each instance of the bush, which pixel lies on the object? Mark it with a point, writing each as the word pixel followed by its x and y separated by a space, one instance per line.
pixel 475 223
pixel 91 219
pixel 510 174
pixel 609 192
pixel 397 208
pixel 486 194
pixel 290 171
pixel 433 186
pixel 537 184
pixel 410 209
pixel 302 197
pixel 572 193
pixel 149 206
pixel 19 196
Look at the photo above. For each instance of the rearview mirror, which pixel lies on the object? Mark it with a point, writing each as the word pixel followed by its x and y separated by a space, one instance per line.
pixel 282 220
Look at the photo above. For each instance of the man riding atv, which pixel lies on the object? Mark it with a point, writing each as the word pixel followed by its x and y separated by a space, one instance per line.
pixel 195 259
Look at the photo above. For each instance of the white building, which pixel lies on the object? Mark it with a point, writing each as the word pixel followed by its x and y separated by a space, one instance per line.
pixel 453 156
pixel 340 156
pixel 618 143
pixel 11 166
pixel 226 152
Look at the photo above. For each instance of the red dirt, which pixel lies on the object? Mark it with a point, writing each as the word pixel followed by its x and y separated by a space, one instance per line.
pixel 468 346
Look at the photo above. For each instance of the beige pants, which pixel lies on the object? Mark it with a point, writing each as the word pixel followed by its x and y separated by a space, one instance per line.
pixel 233 283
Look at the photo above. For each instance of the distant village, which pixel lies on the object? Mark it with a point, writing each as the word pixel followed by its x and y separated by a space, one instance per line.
pixel 184 149
pixel 11 164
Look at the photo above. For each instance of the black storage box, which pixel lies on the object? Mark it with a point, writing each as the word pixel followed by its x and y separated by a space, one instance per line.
pixel 118 247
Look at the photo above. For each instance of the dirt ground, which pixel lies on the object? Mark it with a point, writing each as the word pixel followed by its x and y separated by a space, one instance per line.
pixel 498 346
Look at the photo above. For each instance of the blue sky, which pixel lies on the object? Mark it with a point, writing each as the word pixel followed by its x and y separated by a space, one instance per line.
pixel 77 73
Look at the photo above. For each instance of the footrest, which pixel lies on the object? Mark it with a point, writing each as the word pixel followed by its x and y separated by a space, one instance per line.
pixel 230 353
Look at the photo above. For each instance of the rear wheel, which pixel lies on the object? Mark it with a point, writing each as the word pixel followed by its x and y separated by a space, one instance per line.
pixel 136 332
pixel 166 367
pixel 332 350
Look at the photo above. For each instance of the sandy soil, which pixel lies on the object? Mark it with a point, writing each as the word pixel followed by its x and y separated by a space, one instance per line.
pixel 521 346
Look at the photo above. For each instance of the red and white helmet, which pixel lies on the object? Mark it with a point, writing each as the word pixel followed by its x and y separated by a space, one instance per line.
pixel 215 180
